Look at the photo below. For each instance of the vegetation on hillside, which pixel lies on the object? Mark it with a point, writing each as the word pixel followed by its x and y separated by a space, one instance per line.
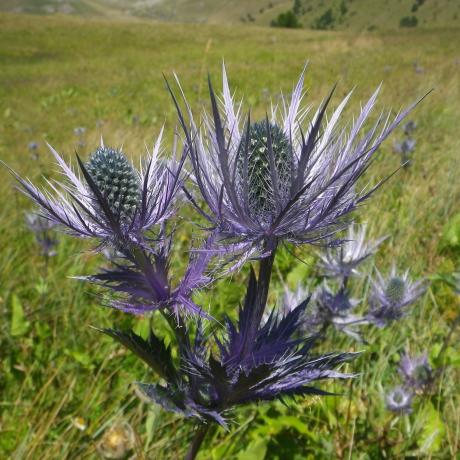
pixel 357 15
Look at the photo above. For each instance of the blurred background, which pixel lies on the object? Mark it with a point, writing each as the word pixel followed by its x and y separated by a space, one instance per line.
pixel 73 70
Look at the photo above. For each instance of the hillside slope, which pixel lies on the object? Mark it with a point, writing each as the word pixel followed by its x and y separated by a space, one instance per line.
pixel 355 15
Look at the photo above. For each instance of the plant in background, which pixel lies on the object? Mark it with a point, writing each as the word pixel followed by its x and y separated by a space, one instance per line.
pixel 417 377
pixel 33 150
pixel 332 304
pixel 406 146
pixel 80 132
pixel 416 372
pixel 259 185
pixel 43 229
pixel 343 261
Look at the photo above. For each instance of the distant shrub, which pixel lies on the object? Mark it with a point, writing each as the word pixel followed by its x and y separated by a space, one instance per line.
pixel 287 19
pixel 296 9
pixel 325 21
pixel 343 8
pixel 417 5
pixel 408 21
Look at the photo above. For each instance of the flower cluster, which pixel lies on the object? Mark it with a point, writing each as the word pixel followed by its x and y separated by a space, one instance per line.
pixel 417 376
pixel 292 177
pixel 332 304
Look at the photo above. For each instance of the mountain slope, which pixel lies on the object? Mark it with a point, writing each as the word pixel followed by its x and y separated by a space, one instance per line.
pixel 326 14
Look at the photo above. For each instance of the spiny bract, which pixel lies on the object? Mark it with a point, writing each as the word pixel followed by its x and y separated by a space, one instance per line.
pixel 116 179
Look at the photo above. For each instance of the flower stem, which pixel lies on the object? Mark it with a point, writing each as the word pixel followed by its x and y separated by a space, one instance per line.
pixel 196 442
pixel 263 284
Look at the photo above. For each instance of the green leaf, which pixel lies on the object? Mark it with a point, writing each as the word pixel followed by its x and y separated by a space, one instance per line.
pixel 152 421
pixel 300 273
pixel 19 324
pixel 433 430
pixel 451 233
pixel 142 327
pixel 256 450
pixel 83 358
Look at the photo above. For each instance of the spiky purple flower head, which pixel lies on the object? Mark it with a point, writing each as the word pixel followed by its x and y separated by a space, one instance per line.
pixel 280 178
pixel 391 296
pixel 109 199
pixel 343 261
pixel 399 400
pixel 416 371
pixel 334 308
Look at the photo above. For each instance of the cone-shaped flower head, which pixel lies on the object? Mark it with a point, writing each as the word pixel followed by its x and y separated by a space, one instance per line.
pixel 109 199
pixel 399 400
pixel 344 260
pixel 390 297
pixel 117 180
pixel 256 166
pixel 395 290
pixel 283 178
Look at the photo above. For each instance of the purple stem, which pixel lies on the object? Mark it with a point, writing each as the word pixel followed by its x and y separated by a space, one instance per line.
pixel 196 442
pixel 263 284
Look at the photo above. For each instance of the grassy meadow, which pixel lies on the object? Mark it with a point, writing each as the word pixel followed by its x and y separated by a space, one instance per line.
pixel 63 385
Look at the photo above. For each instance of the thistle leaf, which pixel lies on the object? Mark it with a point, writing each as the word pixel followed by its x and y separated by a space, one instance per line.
pixel 152 351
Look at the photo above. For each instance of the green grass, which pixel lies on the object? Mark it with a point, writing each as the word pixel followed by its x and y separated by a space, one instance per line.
pixel 60 73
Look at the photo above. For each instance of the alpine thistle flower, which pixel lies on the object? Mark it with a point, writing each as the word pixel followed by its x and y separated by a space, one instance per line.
pixel 342 261
pixel 399 400
pixel 109 200
pixel 416 371
pixel 390 297
pixel 280 179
